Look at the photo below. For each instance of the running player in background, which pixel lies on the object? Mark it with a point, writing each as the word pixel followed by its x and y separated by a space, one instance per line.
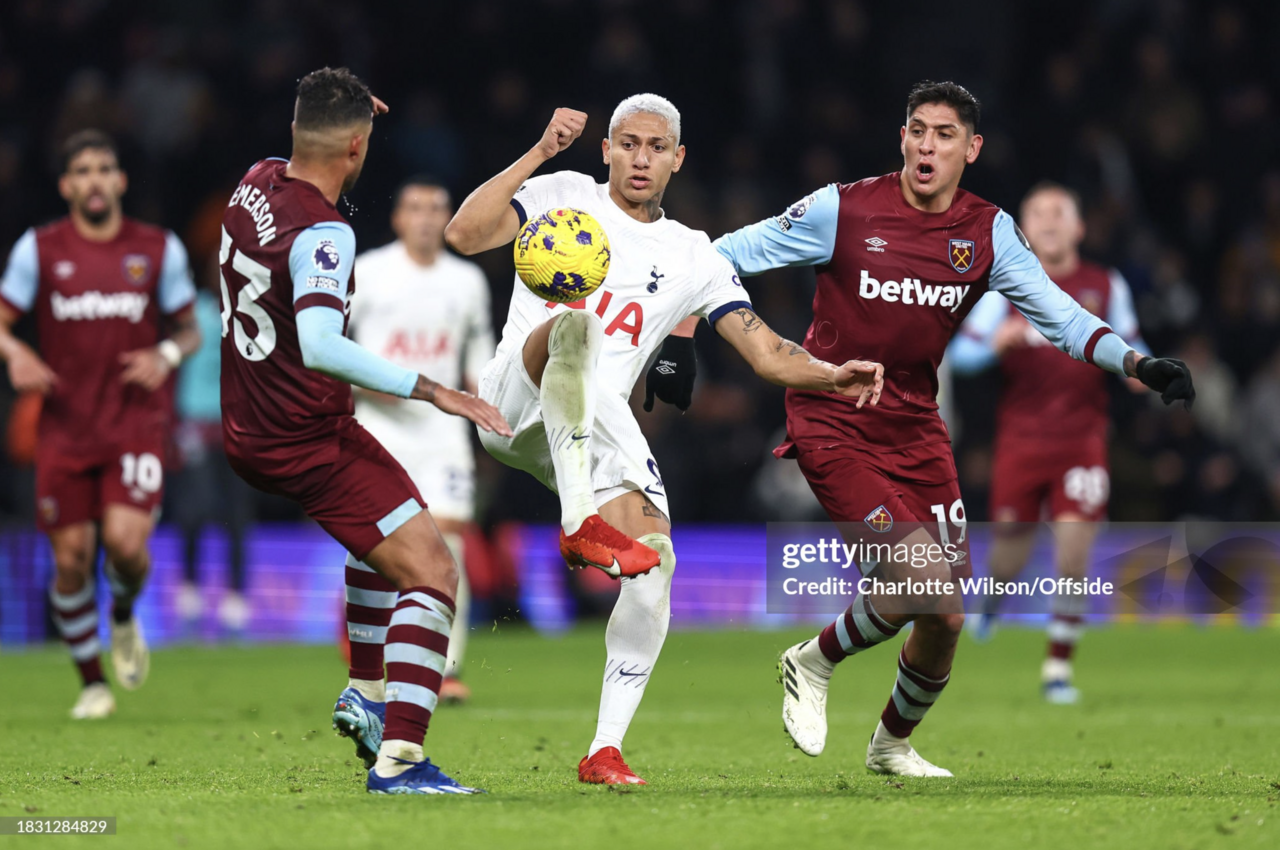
pixel 104 288
pixel 1051 424
pixel 563 375
pixel 287 369
pixel 423 308
pixel 901 260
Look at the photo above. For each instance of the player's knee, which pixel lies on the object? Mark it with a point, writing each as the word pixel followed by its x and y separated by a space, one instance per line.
pixel 127 551
pixel 72 562
pixel 576 333
pixel 661 544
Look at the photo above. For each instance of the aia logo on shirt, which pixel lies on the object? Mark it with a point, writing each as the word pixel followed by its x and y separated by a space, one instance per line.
pixel 135 267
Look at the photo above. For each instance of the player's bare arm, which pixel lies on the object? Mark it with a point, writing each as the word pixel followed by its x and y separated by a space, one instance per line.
pixel 27 371
pixel 150 367
pixel 486 219
pixel 780 361
pixel 460 403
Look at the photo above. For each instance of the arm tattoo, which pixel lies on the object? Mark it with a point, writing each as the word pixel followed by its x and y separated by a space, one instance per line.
pixel 1131 363
pixel 750 321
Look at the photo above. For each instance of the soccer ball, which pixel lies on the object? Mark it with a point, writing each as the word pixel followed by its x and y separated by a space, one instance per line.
pixel 562 255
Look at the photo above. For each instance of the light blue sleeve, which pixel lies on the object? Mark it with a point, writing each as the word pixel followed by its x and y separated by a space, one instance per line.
pixel 1018 275
pixel 320 264
pixel 177 289
pixel 321 260
pixel 804 235
pixel 326 350
pixel 971 352
pixel 1121 315
pixel 22 274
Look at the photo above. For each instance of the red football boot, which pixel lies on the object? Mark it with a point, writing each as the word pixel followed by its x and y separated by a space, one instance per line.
pixel 598 544
pixel 606 767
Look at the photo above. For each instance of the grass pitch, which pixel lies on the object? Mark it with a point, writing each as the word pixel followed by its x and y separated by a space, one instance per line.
pixel 1176 745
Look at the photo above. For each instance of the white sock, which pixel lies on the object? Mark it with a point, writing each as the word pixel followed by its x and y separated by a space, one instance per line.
pixel 884 741
pixel 374 689
pixel 387 765
pixel 461 609
pixel 810 655
pixel 637 630
pixel 1055 670
pixel 568 396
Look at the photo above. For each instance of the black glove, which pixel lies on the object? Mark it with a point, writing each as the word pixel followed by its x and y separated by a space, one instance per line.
pixel 1171 378
pixel 671 376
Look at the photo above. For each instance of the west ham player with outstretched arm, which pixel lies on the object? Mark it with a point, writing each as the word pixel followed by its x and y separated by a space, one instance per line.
pixel 104 287
pixel 564 372
pixel 1051 424
pixel 901 260
pixel 428 310
pixel 287 370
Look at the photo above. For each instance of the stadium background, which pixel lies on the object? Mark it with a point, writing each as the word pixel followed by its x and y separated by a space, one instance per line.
pixel 1162 114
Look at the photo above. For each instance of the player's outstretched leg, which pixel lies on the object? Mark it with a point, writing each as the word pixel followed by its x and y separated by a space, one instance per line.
pixel 360 711
pixel 567 394
pixel 805 670
pixel 453 691
pixel 637 629
pixel 931 648
pixel 75 613
pixel 415 559
pixel 125 531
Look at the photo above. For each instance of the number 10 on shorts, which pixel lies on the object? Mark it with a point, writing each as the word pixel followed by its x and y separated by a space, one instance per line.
pixel 141 472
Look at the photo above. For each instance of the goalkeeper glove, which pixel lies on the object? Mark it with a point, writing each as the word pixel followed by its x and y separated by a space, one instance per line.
pixel 671 376
pixel 1171 378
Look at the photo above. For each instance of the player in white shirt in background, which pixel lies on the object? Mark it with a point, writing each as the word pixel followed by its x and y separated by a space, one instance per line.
pixel 421 307
pixel 563 374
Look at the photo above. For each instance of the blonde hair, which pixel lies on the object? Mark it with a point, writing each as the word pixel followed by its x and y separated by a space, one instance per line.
pixel 651 103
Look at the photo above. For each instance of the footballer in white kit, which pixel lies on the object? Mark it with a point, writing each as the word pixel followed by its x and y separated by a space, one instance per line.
pixel 425 309
pixel 563 374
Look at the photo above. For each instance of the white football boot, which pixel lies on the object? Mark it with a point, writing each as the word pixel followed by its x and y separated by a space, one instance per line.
pixel 893 756
pixel 1055 682
pixel 129 654
pixel 804 699
pixel 96 702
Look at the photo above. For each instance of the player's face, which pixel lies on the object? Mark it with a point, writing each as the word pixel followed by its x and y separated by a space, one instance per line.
pixel 420 217
pixel 642 156
pixel 1051 223
pixel 93 184
pixel 936 147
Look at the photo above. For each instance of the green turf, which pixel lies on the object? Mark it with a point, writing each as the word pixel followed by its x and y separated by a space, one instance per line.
pixel 1177 745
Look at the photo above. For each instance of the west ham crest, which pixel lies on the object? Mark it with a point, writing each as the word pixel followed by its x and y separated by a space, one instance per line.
pixel 961 255
pixel 879 520
pixel 136 267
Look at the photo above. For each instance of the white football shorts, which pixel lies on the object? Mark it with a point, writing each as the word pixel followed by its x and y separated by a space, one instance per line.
pixel 620 458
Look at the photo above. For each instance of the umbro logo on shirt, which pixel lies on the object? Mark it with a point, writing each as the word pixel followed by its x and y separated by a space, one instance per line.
pixel 875 243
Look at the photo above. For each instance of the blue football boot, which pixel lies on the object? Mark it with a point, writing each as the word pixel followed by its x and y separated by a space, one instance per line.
pixel 359 718
pixel 422 777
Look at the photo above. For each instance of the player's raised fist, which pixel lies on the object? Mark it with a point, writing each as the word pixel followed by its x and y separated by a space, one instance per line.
pixel 860 379
pixel 566 125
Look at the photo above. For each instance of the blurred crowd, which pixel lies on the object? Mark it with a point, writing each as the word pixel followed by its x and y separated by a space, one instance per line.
pixel 1163 114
